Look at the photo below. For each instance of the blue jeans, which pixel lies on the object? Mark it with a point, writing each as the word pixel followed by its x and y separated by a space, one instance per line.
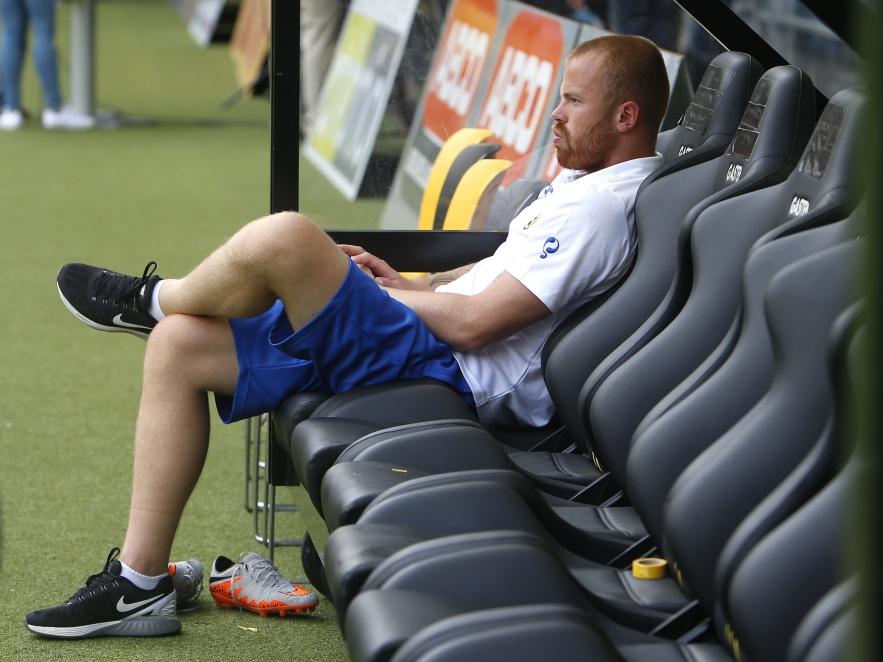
pixel 16 14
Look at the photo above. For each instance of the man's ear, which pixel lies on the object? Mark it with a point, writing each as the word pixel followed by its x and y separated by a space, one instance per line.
pixel 627 116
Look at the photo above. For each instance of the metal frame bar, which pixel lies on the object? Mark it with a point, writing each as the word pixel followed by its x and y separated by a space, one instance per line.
pixel 284 105
pixel 260 489
pixel 284 60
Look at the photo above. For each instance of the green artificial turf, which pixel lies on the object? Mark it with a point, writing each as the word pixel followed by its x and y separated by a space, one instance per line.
pixel 170 187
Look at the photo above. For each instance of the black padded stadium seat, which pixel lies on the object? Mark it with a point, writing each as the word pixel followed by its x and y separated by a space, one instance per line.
pixel 705 131
pixel 719 243
pixel 530 632
pixel 820 189
pixel 789 578
pixel 347 552
pixel 708 126
pixel 825 455
pixel 746 464
pixel 540 632
pixel 755 599
pixel 815 625
pixel 427 606
pixel 349 416
pixel 474 502
pixel 662 451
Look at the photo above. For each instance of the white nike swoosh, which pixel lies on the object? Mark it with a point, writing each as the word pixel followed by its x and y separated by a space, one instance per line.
pixel 118 320
pixel 123 606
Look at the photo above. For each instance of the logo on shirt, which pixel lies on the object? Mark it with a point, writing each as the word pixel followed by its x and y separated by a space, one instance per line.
pixel 550 246
pixel 531 222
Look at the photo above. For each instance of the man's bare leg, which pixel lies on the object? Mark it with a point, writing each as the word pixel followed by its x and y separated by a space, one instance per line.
pixel 282 256
pixel 186 357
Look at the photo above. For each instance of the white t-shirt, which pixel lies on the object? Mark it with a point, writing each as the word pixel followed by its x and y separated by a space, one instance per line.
pixel 570 245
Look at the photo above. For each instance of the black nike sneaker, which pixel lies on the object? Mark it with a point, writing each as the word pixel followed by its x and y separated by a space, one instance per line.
pixel 110 606
pixel 109 301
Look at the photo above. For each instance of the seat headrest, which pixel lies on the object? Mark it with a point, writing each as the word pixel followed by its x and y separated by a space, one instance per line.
pixel 824 176
pixel 718 103
pixel 774 128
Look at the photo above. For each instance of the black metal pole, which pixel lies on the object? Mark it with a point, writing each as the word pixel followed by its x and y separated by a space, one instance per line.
pixel 284 104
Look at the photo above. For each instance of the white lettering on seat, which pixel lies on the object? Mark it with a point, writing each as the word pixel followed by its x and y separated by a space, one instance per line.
pixel 734 172
pixel 515 103
pixel 799 206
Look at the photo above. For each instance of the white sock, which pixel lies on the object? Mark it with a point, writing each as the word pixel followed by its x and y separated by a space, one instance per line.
pixel 155 309
pixel 144 582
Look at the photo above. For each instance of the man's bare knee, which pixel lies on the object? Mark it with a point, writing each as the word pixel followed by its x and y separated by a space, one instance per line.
pixel 173 336
pixel 196 350
pixel 283 240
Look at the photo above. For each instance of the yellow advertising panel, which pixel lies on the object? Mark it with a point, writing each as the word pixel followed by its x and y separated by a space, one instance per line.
pixel 356 92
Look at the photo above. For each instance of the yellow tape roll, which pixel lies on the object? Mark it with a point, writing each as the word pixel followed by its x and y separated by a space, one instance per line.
pixel 649 568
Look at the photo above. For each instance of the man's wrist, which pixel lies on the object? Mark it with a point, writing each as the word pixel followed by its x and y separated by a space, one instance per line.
pixel 436 280
pixel 444 277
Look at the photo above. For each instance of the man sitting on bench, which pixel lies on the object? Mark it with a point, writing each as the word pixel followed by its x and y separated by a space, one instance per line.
pixel 280 308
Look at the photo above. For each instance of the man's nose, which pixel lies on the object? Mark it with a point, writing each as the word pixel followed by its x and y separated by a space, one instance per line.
pixel 558 113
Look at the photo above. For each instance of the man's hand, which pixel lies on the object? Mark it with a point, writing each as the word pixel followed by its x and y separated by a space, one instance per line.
pixel 383 274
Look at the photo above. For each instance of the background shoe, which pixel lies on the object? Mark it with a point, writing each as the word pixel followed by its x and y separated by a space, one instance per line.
pixel 66 118
pixel 106 300
pixel 11 120
pixel 255 585
pixel 187 580
pixel 110 605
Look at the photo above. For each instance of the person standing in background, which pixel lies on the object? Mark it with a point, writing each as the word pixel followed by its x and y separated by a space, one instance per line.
pixel 40 14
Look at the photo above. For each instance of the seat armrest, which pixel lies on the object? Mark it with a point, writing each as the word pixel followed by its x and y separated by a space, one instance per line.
pixel 440 510
pixel 292 411
pixel 515 634
pixel 433 447
pixel 398 403
pixel 481 571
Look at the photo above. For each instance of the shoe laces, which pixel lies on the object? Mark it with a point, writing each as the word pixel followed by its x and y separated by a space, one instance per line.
pixel 99 580
pixel 263 572
pixel 120 289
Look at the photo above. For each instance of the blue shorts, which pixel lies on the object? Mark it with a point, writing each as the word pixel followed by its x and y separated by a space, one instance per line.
pixel 362 336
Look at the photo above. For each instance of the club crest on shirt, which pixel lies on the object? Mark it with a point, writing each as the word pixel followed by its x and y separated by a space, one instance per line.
pixel 550 246
pixel 531 222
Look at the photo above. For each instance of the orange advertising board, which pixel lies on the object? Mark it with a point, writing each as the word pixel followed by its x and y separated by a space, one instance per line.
pixel 458 66
pixel 523 83
pixel 498 67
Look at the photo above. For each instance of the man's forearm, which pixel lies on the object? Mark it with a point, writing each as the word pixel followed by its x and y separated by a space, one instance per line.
pixel 447 315
pixel 470 322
